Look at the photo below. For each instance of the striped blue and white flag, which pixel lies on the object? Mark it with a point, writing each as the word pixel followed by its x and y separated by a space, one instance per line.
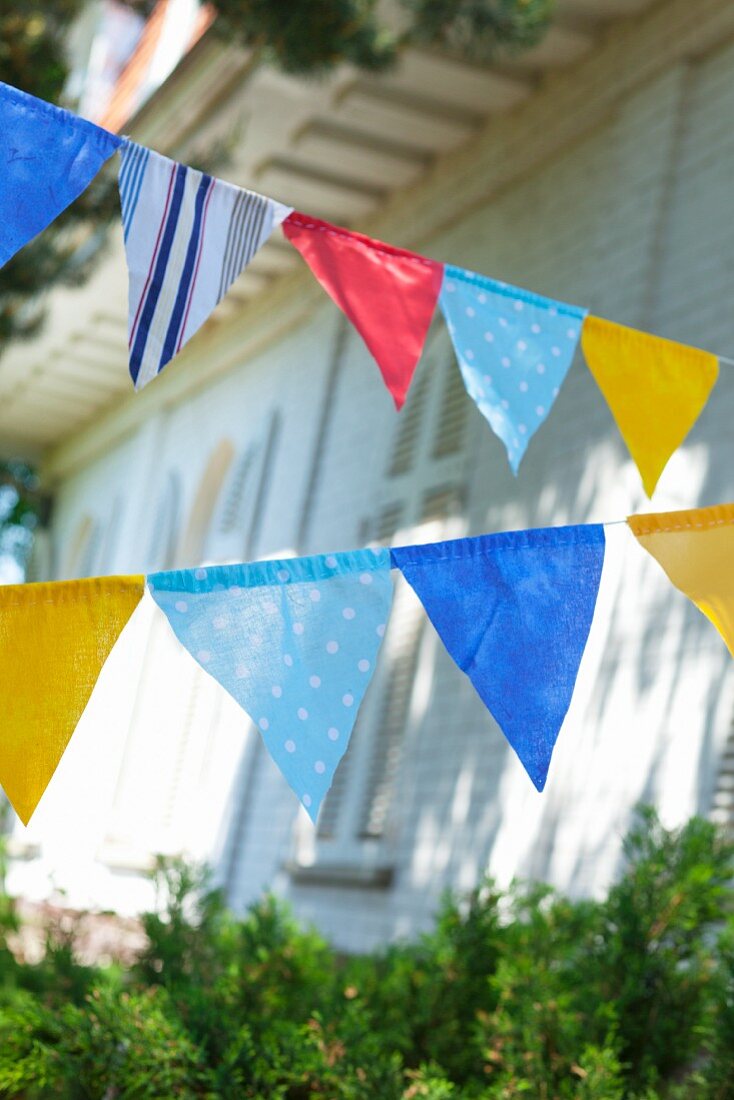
pixel 187 238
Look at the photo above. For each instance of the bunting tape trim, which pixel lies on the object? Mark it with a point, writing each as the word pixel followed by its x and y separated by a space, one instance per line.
pixel 689 519
pixel 303 221
pixel 513 292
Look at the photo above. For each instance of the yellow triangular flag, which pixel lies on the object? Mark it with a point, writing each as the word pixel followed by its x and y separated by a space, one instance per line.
pixel 655 389
pixel 696 550
pixel 54 639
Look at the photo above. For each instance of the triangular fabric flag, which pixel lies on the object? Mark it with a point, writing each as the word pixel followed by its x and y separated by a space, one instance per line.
pixel 387 293
pixel 188 236
pixel 514 611
pixel 696 550
pixel 655 389
pixel 49 157
pixel 294 643
pixel 514 349
pixel 54 640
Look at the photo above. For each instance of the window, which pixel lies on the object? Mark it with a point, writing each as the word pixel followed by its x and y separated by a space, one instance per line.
pixel 163 538
pixel 108 543
pixel 199 526
pixel 423 494
pixel 83 550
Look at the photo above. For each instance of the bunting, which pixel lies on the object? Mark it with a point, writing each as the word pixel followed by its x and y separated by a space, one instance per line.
pixel 49 156
pixel 514 611
pixel 655 389
pixel 187 236
pixel 294 643
pixel 514 349
pixel 696 550
pixel 54 640
pixel 388 294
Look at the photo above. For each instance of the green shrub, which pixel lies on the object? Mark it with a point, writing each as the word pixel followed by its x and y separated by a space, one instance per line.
pixel 521 994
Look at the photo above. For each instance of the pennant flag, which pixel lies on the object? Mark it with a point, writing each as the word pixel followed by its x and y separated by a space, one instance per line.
pixel 388 294
pixel 54 640
pixel 514 610
pixel 696 550
pixel 294 643
pixel 187 238
pixel 49 157
pixel 655 389
pixel 514 350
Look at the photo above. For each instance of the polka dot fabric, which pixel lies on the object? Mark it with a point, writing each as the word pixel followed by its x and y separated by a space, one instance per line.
pixel 294 642
pixel 514 350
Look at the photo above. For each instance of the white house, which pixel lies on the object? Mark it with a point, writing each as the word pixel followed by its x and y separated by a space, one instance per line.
pixel 597 169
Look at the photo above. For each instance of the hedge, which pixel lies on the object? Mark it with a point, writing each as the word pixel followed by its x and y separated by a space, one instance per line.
pixel 517 993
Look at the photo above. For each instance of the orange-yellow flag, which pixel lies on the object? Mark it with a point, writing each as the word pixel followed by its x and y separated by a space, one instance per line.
pixel 696 550
pixel 54 639
pixel 655 389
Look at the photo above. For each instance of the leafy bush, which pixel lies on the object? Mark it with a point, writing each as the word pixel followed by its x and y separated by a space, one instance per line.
pixel 522 994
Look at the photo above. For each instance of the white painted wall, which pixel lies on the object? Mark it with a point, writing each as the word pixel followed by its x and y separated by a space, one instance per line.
pixel 633 219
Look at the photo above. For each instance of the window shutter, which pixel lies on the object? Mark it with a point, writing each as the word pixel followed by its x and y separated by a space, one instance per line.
pixel 387 523
pixel 401 645
pixel 429 445
pixel 410 422
pixel 331 810
pixel 383 531
pixel 453 414
pixel 440 504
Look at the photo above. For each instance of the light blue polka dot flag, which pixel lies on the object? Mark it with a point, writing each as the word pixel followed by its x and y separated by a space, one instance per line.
pixel 514 350
pixel 294 642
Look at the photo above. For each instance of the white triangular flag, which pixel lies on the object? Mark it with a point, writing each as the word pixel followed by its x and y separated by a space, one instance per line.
pixel 187 238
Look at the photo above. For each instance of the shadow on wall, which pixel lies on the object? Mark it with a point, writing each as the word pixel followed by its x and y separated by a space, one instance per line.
pixel 461 802
pixel 658 710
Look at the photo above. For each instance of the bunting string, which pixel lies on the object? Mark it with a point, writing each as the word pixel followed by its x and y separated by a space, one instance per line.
pixel 188 236
pixel 295 642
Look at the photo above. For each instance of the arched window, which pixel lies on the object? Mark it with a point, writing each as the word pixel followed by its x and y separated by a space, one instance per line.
pixel 164 535
pixel 109 538
pixel 83 549
pixel 192 548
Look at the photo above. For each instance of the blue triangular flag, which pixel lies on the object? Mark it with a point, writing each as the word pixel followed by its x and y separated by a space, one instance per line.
pixel 48 157
pixel 514 611
pixel 514 349
pixel 294 643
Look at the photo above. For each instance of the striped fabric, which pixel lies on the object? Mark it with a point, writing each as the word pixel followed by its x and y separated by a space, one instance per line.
pixel 187 238
pixel 134 159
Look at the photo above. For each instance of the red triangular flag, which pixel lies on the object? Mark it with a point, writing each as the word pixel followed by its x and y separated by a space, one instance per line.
pixel 388 294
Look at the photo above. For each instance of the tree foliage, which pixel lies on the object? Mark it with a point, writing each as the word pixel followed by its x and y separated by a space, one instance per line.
pixel 512 995
pixel 32 57
pixel 479 30
pixel 305 38
pixel 21 508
